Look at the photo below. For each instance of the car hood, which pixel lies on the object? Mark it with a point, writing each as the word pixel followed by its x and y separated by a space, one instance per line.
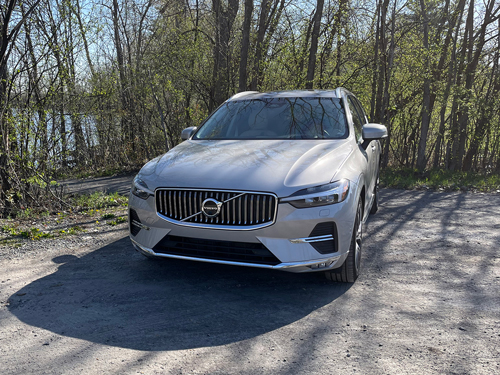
pixel 278 166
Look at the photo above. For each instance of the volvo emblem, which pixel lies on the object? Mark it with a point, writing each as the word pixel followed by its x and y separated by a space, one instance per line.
pixel 211 207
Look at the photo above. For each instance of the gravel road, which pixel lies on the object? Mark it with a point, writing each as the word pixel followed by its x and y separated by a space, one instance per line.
pixel 427 302
pixel 119 184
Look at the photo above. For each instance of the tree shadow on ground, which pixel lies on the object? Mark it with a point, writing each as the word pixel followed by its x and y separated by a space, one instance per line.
pixel 114 296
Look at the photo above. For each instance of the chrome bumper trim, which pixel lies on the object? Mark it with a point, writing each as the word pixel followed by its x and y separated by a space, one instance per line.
pixel 214 226
pixel 310 265
pixel 140 225
pixel 327 237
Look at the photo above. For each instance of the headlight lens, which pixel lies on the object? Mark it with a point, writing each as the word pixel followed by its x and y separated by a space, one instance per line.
pixel 334 192
pixel 140 188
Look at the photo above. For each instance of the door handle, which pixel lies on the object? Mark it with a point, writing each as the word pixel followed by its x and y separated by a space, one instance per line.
pixel 374 148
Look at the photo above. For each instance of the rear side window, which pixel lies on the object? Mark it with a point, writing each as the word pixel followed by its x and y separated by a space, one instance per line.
pixel 361 111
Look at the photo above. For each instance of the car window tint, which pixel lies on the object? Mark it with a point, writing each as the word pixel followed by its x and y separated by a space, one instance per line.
pixel 357 120
pixel 287 118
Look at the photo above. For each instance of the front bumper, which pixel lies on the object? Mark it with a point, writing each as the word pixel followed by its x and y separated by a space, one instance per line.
pixel 288 239
pixel 297 267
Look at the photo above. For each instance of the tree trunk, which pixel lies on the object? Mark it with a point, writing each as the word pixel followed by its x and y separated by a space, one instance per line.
pixel 41 155
pixel 426 115
pixel 304 51
pixel 382 66
pixel 83 33
pixel 487 112
pixel 7 40
pixel 335 31
pixel 261 32
pixel 245 46
pixel 311 67
pixel 387 116
pixel 224 19
pixel 80 150
pixel 457 16
pixel 475 49
pixel 123 86
pixel 272 22
pixel 453 160
pixel 376 62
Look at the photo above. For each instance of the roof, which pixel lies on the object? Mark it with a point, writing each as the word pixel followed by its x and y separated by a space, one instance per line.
pixel 246 95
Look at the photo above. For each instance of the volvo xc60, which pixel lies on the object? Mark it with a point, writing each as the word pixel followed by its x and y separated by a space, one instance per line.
pixel 281 180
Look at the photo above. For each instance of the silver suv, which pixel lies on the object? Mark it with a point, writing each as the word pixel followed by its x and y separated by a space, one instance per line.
pixel 280 180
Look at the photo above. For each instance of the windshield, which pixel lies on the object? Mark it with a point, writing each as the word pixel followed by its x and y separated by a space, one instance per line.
pixel 277 118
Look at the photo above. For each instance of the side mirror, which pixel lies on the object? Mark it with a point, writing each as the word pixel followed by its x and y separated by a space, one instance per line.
pixel 188 132
pixel 371 132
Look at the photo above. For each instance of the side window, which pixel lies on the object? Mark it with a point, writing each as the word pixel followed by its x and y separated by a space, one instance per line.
pixel 361 110
pixel 357 119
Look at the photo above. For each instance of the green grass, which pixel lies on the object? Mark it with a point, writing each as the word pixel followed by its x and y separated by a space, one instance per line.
pixel 9 229
pixel 71 230
pixel 10 242
pixel 118 220
pixel 109 208
pixel 30 213
pixel 98 200
pixel 31 233
pixel 88 203
pixel 35 234
pixel 438 179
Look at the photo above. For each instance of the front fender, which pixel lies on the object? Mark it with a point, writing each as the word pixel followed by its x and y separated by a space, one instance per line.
pixel 357 190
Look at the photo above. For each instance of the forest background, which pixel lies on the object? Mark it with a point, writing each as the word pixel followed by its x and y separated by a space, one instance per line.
pixel 88 86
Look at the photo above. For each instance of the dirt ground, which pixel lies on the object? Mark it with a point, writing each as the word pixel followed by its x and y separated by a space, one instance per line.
pixel 427 302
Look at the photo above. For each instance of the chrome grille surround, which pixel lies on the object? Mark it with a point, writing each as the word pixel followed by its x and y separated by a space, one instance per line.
pixel 241 210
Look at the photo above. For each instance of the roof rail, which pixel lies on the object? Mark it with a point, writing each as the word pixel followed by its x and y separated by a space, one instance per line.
pixel 243 93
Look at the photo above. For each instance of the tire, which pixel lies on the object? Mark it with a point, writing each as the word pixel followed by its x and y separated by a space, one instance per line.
pixel 349 271
pixel 374 208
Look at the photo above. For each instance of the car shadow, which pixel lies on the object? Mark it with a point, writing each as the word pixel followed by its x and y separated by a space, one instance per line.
pixel 115 296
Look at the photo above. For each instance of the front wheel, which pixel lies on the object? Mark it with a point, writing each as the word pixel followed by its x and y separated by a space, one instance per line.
pixel 349 271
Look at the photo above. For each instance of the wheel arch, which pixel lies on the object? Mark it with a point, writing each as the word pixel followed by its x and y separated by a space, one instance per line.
pixel 363 199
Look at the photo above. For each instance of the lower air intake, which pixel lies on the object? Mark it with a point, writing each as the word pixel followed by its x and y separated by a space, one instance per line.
pixel 324 229
pixel 134 218
pixel 243 252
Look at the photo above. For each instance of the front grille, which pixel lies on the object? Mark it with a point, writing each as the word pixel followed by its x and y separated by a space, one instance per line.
pixel 239 209
pixel 244 252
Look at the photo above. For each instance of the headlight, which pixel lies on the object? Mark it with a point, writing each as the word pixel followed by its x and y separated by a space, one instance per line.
pixel 140 189
pixel 335 192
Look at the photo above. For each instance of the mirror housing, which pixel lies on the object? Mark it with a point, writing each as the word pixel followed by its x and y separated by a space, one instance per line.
pixel 188 132
pixel 371 132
